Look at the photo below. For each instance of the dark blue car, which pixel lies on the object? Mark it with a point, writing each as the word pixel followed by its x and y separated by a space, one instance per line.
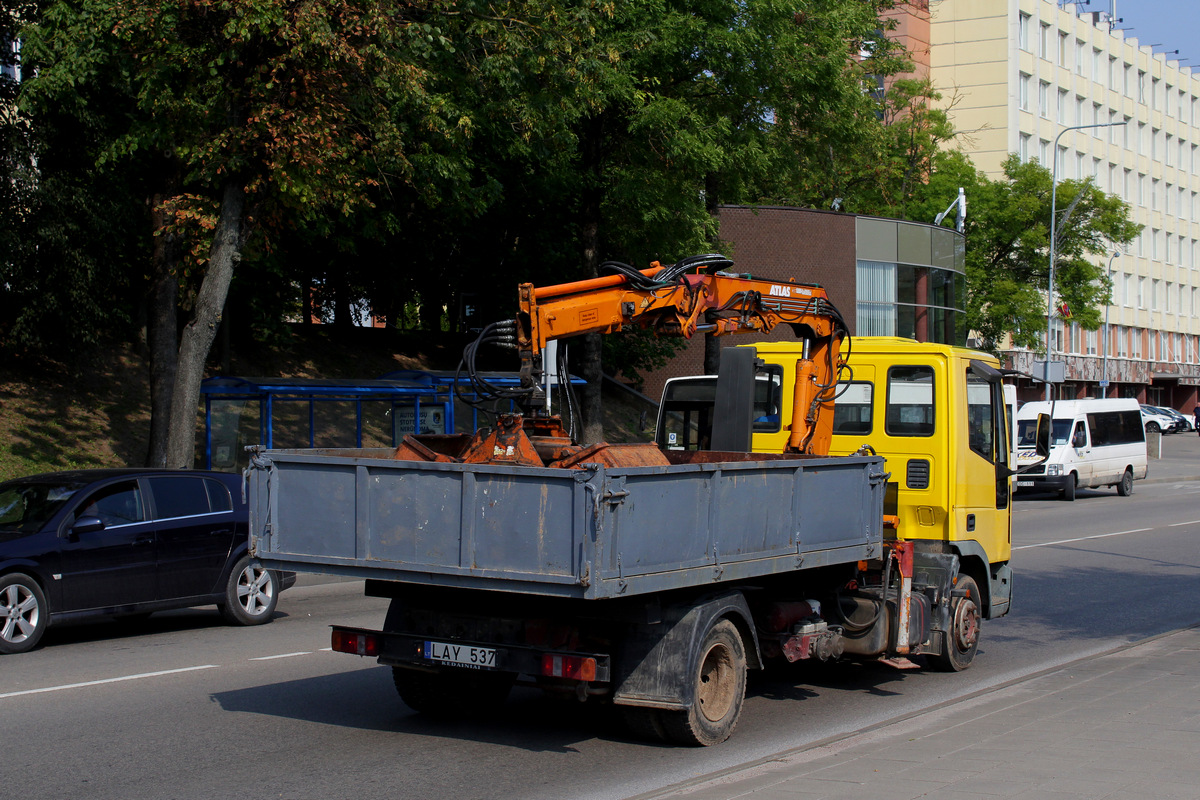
pixel 126 541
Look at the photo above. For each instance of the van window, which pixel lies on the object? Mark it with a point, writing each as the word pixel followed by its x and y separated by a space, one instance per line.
pixel 1116 427
pixel 910 408
pixel 852 408
pixel 1060 430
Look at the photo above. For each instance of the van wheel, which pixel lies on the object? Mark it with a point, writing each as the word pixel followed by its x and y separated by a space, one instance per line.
pixel 1069 489
pixel 1125 487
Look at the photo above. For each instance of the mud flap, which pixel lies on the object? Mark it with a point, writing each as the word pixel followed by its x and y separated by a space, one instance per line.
pixel 656 663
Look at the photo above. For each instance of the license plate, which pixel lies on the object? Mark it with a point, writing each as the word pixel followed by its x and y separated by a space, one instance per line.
pixel 1024 483
pixel 461 655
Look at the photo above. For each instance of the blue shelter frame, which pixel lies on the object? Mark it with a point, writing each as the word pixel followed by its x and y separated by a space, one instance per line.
pixel 300 412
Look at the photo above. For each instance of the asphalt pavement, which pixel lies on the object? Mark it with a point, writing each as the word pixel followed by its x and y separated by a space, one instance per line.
pixel 1121 724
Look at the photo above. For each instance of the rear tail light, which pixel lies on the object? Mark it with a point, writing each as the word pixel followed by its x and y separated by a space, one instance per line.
pixel 358 644
pixel 579 668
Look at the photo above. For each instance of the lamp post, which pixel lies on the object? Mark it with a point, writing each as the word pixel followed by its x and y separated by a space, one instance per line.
pixel 1104 370
pixel 1053 220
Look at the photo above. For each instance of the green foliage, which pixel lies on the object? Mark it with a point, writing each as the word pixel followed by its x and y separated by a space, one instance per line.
pixel 1008 236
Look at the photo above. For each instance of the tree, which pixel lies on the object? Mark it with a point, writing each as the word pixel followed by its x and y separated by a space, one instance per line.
pixel 250 112
pixel 1008 236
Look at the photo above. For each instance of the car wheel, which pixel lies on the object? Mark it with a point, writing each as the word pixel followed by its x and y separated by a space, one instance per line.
pixel 1152 427
pixel 23 613
pixel 1125 487
pixel 250 593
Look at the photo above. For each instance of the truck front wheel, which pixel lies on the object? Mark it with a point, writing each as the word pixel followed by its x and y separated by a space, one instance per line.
pixel 962 640
pixel 449 692
pixel 718 692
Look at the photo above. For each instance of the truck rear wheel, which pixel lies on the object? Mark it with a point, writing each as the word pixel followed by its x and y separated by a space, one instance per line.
pixel 962 640
pixel 718 692
pixel 449 692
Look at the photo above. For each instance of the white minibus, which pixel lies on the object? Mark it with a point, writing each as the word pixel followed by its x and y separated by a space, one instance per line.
pixel 1094 443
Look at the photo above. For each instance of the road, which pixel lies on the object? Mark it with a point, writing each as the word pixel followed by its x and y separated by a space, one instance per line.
pixel 181 706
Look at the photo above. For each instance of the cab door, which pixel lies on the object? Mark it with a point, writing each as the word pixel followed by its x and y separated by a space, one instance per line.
pixel 984 489
pixel 1080 453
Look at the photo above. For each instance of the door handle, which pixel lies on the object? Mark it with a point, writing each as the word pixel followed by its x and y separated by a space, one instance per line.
pixel 143 541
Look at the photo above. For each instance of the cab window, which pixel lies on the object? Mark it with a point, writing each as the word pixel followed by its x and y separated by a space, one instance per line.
pixel 981 424
pixel 852 408
pixel 910 405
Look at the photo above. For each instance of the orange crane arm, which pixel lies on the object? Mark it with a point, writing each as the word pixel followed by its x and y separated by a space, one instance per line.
pixel 671 302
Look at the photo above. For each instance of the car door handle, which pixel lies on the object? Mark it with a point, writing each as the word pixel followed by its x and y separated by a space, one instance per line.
pixel 221 532
pixel 143 541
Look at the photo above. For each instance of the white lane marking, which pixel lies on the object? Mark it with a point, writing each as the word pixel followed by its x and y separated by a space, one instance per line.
pixel 1180 524
pixel 281 655
pixel 1083 538
pixel 107 680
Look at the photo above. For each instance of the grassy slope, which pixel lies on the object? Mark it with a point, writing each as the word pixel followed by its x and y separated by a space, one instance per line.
pixel 95 412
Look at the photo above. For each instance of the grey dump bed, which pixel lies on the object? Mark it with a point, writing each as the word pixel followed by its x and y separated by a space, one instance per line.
pixel 592 533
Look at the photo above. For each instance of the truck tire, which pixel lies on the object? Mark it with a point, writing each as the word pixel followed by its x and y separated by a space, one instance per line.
pixel 961 642
pixel 644 723
pixel 452 693
pixel 23 613
pixel 1125 487
pixel 720 688
pixel 251 593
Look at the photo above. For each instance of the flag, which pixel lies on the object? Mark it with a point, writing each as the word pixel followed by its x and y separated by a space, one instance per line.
pixel 1064 310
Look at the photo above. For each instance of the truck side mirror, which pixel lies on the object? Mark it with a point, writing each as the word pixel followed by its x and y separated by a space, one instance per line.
pixel 1043 435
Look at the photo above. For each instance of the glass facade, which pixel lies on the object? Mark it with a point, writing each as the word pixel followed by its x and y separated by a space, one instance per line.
pixel 910 281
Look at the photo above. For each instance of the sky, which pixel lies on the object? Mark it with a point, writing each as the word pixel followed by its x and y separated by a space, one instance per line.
pixel 1171 23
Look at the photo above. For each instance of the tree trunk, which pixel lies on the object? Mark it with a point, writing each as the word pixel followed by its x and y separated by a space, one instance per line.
pixel 200 331
pixel 591 368
pixel 162 333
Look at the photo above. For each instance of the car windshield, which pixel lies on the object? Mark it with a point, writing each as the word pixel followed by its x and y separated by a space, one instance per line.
pixel 25 507
pixel 1027 432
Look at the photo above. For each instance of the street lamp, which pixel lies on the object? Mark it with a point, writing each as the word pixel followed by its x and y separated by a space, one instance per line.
pixel 1104 371
pixel 1053 220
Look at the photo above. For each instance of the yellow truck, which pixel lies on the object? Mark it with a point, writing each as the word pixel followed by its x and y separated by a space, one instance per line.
pixel 936 413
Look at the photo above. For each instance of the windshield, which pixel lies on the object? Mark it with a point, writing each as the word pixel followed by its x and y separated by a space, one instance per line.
pixel 1027 432
pixel 27 507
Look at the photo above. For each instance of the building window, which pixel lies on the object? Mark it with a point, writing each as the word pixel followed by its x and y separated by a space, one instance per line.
pixel 1023 92
pixel 1122 342
pixel 1079 51
pixel 917 302
pixel 1044 153
pixel 1044 99
pixel 1061 108
pixel 1141 294
pixel 1097 66
pixel 1154 285
pixel 1023 148
pixel 1023 31
pixel 1064 47
pixel 1141 87
pixel 1044 42
pixel 1127 291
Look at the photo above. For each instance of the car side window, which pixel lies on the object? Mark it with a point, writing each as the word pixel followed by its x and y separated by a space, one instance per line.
pixel 218 496
pixel 179 496
pixel 119 504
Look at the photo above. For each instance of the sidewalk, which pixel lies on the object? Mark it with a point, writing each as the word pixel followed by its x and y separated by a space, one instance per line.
pixel 1180 462
pixel 1116 726
pixel 1121 725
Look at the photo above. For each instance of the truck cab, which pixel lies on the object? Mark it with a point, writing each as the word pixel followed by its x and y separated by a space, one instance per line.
pixel 936 413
